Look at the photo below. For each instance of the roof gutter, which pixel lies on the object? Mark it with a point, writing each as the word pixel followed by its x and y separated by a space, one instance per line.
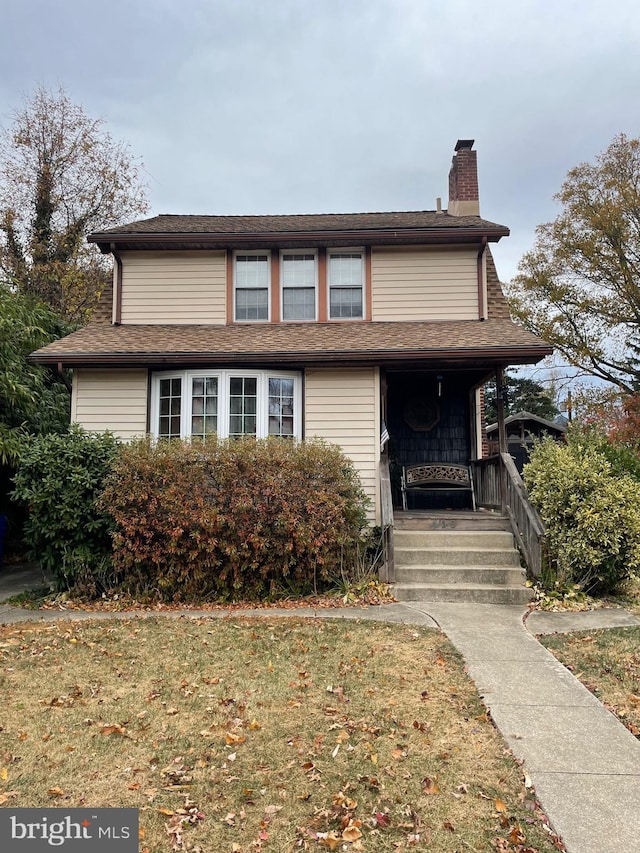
pixel 507 355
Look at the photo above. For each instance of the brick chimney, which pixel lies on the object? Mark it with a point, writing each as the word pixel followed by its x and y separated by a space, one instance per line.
pixel 463 181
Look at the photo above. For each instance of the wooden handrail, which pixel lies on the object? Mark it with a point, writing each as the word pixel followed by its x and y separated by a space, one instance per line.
pixel 499 486
pixel 387 575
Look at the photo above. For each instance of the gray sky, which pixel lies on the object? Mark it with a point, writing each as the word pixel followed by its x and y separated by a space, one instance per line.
pixel 313 106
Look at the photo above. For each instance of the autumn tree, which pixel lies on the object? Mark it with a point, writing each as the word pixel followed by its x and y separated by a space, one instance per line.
pixel 579 287
pixel 61 176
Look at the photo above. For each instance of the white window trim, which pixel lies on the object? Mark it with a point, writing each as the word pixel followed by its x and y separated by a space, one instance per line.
pixel 224 382
pixel 354 250
pixel 313 252
pixel 254 253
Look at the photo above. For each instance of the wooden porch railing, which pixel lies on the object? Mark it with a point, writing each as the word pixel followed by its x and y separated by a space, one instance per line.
pixel 499 485
pixel 387 574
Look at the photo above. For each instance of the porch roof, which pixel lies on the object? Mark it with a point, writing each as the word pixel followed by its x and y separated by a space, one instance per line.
pixel 465 342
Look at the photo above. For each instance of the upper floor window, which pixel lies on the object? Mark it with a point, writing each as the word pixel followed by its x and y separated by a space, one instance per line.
pixel 251 286
pixel 198 403
pixel 299 285
pixel 345 280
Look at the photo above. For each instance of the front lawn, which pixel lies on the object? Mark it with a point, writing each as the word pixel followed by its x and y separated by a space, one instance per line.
pixel 608 663
pixel 266 734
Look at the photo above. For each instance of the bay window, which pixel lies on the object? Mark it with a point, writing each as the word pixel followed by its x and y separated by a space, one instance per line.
pixel 199 403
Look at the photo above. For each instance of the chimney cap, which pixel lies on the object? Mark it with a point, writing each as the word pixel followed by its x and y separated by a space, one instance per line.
pixel 464 143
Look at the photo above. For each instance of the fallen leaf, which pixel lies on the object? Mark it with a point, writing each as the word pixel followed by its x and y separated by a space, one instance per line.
pixel 500 805
pixel 382 819
pixel 4 774
pixel 6 796
pixel 351 833
pixel 55 792
pixel 329 840
pixel 516 835
pixel 430 786
pixel 232 738
pixel 168 812
pixel 114 730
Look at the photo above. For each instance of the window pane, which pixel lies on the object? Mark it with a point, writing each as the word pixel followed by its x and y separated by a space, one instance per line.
pixel 345 302
pixel 280 407
pixel 204 399
pixel 252 304
pixel 299 303
pixel 170 407
pixel 252 270
pixel 345 270
pixel 298 270
pixel 243 403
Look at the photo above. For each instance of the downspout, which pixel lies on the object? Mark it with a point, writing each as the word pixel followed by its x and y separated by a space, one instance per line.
pixel 482 308
pixel 117 296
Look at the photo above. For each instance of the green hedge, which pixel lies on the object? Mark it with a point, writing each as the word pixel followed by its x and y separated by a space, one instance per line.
pixel 59 479
pixel 231 519
pixel 591 509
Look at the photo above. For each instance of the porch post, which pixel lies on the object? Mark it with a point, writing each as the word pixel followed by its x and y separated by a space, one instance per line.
pixel 502 435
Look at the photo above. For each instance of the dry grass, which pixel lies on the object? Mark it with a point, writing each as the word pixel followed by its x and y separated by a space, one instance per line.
pixel 608 663
pixel 264 734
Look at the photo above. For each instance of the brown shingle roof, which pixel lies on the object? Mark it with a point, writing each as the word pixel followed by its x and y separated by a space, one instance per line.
pixel 497 305
pixel 337 229
pixel 296 343
pixel 287 224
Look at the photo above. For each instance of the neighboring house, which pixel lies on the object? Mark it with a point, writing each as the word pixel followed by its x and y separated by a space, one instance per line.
pixel 315 325
pixel 522 429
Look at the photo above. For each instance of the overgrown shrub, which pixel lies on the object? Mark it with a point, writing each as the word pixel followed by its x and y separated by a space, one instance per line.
pixel 590 508
pixel 59 478
pixel 230 519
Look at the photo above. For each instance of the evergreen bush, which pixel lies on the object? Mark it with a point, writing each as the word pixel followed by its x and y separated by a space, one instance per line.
pixel 59 479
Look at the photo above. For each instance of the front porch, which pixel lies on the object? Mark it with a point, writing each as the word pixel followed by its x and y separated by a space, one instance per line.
pixel 436 417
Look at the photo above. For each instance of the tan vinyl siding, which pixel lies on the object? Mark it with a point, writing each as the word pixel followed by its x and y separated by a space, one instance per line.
pixel 424 284
pixel 342 406
pixel 113 400
pixel 174 287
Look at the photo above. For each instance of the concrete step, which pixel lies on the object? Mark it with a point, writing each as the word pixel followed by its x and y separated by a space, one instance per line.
pixel 449 520
pixel 500 576
pixel 499 539
pixel 471 593
pixel 456 557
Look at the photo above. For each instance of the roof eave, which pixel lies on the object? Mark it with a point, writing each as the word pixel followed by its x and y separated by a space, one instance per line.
pixel 488 355
pixel 218 240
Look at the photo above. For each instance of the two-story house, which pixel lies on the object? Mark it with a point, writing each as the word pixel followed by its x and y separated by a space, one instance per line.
pixel 343 326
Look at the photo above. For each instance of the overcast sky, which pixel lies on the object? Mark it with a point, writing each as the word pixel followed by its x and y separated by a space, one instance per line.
pixel 320 106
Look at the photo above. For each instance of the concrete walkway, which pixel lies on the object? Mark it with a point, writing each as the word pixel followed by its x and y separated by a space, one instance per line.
pixel 584 764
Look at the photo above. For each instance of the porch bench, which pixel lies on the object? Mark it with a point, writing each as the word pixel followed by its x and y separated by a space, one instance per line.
pixel 437 476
